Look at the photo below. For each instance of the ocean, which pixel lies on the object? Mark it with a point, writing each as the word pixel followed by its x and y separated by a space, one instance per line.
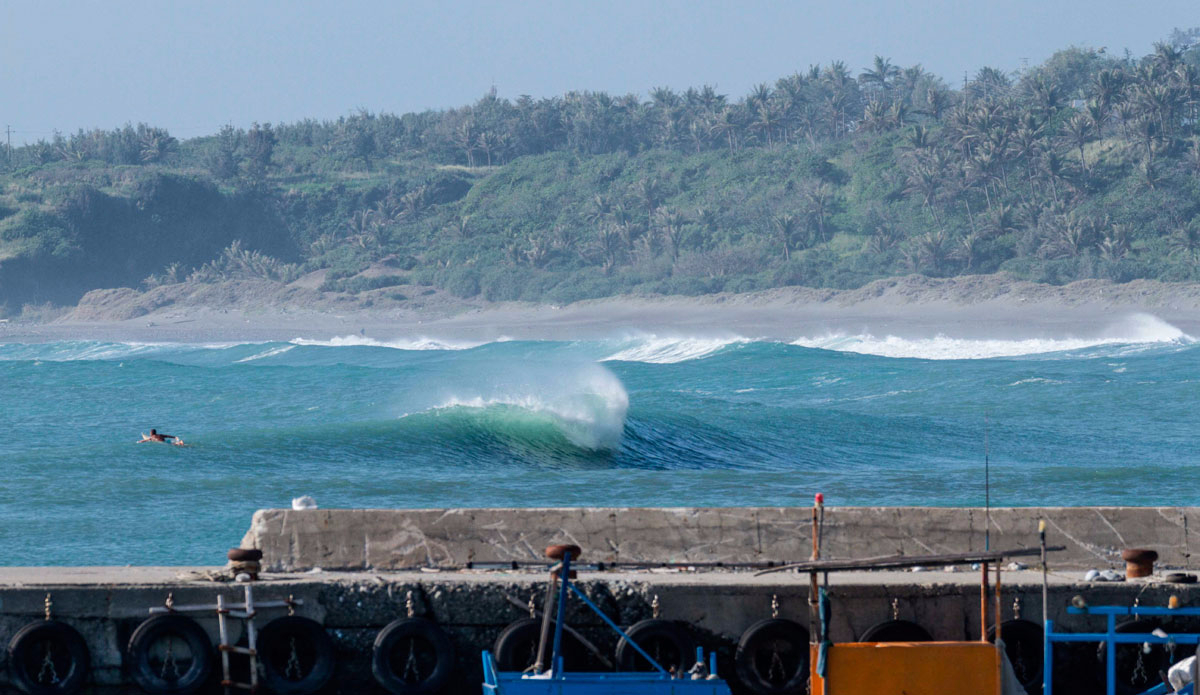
pixel 636 419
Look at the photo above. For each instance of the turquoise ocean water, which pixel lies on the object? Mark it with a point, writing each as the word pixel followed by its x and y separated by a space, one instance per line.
pixel 651 420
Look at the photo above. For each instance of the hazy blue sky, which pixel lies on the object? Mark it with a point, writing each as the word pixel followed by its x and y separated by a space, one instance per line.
pixel 192 66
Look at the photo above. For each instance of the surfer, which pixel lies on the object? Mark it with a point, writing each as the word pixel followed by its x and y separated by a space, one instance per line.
pixel 154 436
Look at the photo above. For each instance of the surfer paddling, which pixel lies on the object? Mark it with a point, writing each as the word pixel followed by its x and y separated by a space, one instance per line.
pixel 154 436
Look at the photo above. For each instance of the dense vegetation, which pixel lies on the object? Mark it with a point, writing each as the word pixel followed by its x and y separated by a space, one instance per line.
pixel 1085 166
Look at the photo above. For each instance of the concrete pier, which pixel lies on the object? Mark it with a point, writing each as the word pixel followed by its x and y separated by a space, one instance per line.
pixel 353 539
pixel 342 565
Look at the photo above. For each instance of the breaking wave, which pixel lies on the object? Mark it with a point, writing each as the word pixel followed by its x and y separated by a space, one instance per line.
pixel 587 408
pixel 670 350
pixel 416 343
pixel 1132 334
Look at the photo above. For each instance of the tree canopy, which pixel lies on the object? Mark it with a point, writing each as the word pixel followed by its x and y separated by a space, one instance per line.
pixel 1087 165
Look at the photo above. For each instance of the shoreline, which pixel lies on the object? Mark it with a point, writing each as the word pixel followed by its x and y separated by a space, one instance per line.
pixel 969 307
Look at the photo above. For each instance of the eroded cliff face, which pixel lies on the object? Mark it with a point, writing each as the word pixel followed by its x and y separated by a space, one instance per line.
pixel 93 239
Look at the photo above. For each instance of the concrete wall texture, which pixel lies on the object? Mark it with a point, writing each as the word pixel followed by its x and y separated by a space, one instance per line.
pixel 474 607
pixel 396 539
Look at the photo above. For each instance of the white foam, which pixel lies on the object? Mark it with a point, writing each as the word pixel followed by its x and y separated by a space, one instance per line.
pixel 656 349
pixel 278 350
pixel 588 407
pixel 1132 334
pixel 1036 380
pixel 416 343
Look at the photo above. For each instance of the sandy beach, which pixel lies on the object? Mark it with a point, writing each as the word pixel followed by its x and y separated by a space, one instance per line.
pixel 976 307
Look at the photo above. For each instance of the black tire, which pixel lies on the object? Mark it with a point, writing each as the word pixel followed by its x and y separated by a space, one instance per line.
pixel 1023 645
pixel 896 631
pixel 68 659
pixel 164 674
pixel 296 655
pixel 772 657
pixel 412 656
pixel 516 647
pixel 670 643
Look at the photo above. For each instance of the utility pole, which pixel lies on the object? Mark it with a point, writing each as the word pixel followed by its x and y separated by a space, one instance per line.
pixel 8 150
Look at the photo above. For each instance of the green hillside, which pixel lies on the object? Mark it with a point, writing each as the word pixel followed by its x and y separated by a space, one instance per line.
pixel 1087 166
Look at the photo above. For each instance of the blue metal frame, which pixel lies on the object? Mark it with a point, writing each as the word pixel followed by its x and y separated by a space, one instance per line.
pixel 1112 638
pixel 559 681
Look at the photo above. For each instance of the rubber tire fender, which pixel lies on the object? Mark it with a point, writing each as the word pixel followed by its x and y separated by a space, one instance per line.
pixel 1023 640
pixel 29 636
pixel 777 634
pixel 672 634
pixel 418 629
pixel 277 635
pixel 137 654
pixel 519 639
pixel 896 631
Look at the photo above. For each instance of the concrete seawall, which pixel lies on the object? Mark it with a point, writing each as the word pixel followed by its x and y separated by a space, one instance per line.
pixel 360 587
pixel 107 604
pixel 353 539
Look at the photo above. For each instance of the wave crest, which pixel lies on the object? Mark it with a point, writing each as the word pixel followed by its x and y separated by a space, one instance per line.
pixel 1135 332
pixel 415 343
pixel 670 350
pixel 588 408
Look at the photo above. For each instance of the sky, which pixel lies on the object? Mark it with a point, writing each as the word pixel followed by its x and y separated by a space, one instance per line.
pixel 194 66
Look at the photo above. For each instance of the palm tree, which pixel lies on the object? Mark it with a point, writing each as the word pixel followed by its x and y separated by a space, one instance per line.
pixel 1026 144
pixel 968 248
pixel 489 142
pixel 820 200
pixel 157 144
pixel 989 83
pixel 1000 221
pixel 932 250
pixel 880 74
pixel 1185 241
pixel 1192 156
pixel 759 95
pixel 875 117
pixel 1055 170
pixel 1106 85
pixel 926 181
pixel 1079 129
pixel 1166 56
pixel 918 138
pixel 1187 81
pixel 769 118
pixel 1115 244
pixel 650 192
pixel 466 137
pixel 1126 112
pixel 671 222
pixel 609 241
pixel 1046 94
pixel 725 123
pixel 937 102
pixel 785 226
pixel 1070 237
pixel 883 239
pixel 601 207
